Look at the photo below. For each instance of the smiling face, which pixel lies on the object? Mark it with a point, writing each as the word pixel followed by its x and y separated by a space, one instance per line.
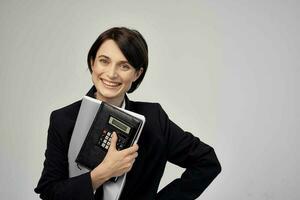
pixel 112 75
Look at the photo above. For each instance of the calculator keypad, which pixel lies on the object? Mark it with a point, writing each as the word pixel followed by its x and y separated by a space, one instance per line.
pixel 105 140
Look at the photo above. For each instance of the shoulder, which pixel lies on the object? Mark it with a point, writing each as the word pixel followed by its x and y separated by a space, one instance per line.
pixel 69 111
pixel 153 112
pixel 62 122
pixel 65 116
pixel 146 108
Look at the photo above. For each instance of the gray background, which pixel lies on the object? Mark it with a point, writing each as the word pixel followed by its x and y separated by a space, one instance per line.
pixel 228 71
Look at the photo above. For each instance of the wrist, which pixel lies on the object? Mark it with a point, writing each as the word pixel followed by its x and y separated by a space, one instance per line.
pixel 99 175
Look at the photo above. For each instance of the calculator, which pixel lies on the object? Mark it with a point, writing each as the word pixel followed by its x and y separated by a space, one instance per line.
pixel 108 119
pixel 105 140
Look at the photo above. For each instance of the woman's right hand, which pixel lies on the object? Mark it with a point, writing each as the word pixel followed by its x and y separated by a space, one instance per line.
pixel 115 163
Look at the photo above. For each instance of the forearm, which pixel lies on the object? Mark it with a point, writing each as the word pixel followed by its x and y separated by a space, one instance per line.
pixel 99 176
pixel 115 163
pixel 51 189
pixel 193 181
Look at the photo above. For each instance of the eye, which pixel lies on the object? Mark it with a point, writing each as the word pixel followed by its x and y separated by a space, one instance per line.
pixel 125 67
pixel 104 61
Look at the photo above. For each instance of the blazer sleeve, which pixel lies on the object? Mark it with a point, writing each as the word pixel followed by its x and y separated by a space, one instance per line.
pixel 187 151
pixel 55 183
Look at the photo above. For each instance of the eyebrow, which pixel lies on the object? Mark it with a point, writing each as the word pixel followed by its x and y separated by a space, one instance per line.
pixel 103 56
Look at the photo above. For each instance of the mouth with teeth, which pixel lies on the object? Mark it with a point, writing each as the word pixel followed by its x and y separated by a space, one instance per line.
pixel 110 84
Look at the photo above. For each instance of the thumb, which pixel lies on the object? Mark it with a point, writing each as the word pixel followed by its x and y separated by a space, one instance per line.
pixel 113 142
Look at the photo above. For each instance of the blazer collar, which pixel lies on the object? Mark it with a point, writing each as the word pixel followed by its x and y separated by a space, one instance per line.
pixel 128 103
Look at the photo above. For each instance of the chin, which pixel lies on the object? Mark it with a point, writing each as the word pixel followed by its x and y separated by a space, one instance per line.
pixel 108 94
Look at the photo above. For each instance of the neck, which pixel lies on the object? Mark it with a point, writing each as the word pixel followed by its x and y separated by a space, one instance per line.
pixel 113 101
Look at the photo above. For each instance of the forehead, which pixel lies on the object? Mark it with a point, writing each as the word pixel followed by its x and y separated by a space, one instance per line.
pixel 109 48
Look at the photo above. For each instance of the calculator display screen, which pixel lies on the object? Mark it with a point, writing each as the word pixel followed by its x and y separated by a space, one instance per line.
pixel 118 124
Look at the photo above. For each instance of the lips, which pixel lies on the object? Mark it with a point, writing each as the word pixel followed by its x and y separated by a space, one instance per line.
pixel 110 84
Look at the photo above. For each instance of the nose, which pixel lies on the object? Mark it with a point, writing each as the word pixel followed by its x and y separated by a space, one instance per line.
pixel 112 72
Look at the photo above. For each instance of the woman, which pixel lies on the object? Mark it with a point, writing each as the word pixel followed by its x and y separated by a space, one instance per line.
pixel 118 61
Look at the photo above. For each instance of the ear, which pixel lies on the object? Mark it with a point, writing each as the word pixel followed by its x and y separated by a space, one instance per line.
pixel 138 73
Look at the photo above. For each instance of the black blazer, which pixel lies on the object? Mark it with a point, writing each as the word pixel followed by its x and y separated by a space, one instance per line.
pixel 161 141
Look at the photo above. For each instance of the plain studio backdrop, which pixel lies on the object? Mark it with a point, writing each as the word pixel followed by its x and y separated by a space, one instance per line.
pixel 227 71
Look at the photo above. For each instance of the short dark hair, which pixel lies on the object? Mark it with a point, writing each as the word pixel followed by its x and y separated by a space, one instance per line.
pixel 131 43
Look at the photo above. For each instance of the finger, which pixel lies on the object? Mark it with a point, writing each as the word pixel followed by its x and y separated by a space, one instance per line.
pixel 135 155
pixel 131 157
pixel 131 149
pixel 114 140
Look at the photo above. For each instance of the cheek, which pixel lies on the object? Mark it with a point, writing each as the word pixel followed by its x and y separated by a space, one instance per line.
pixel 128 85
pixel 96 71
pixel 95 76
pixel 128 82
pixel 128 79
